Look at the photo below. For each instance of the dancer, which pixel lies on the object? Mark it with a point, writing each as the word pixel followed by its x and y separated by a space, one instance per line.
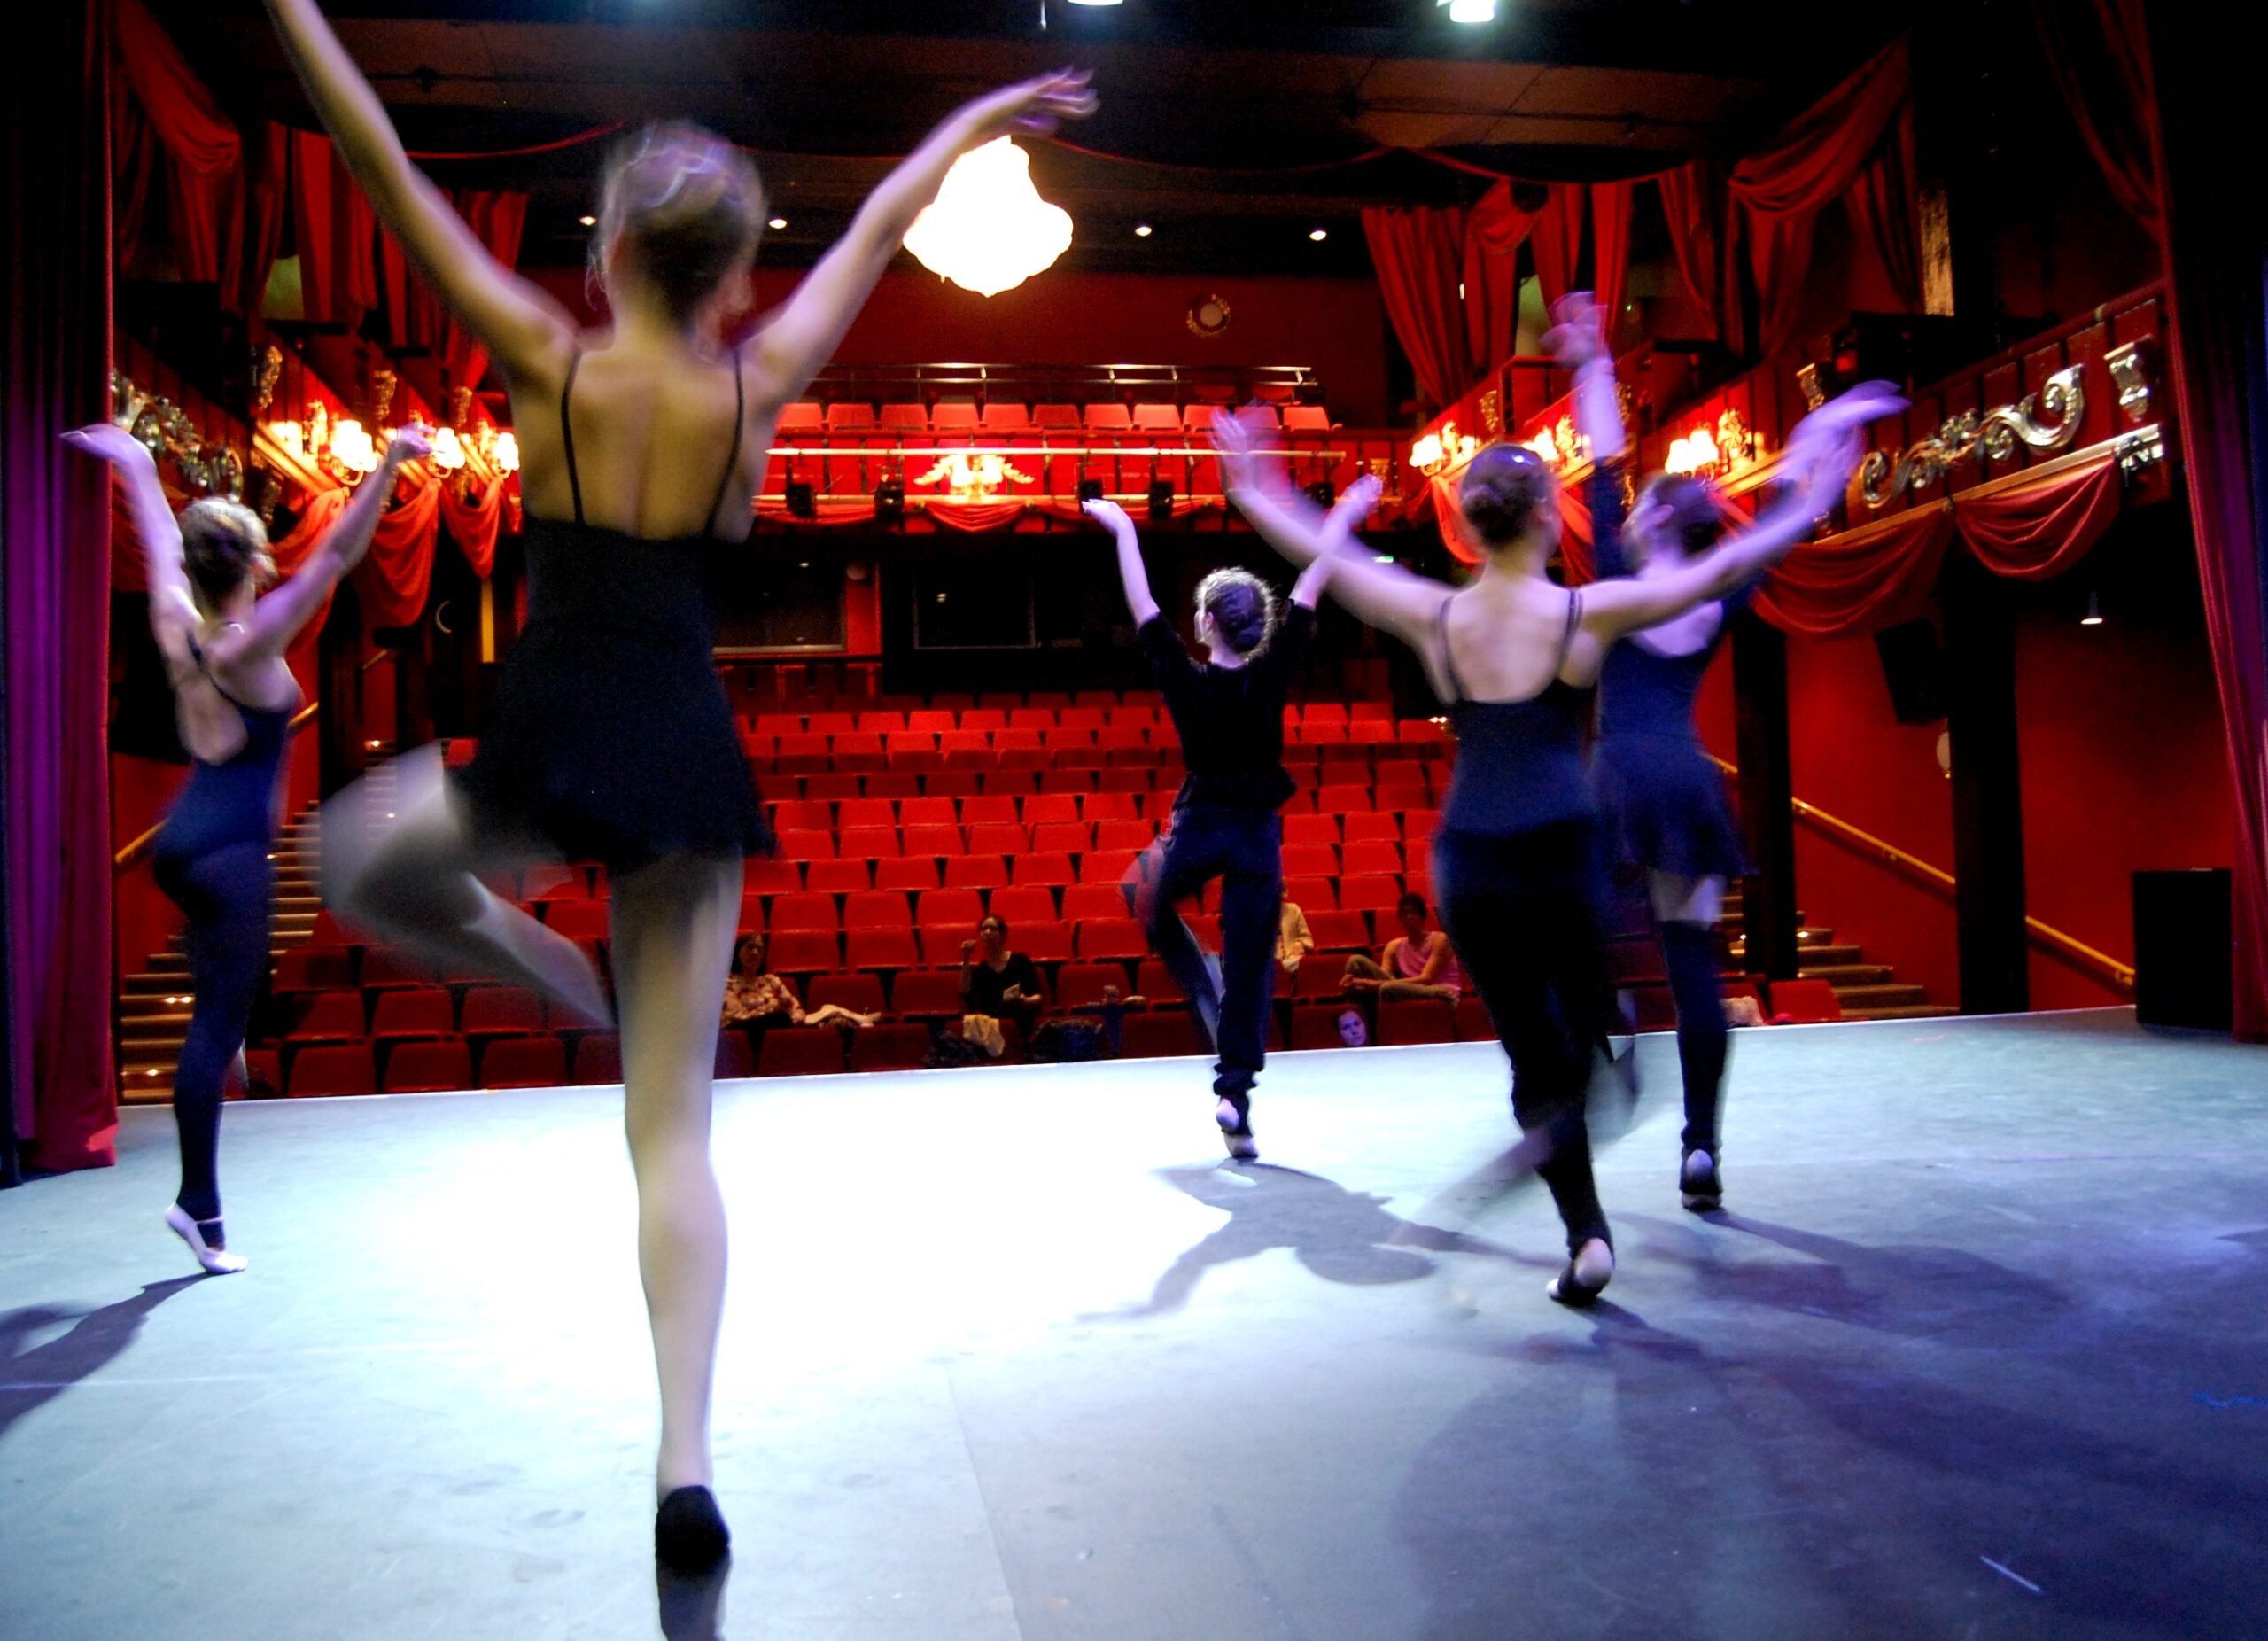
pixel 1228 711
pixel 1662 799
pixel 611 736
pixel 234 695
pixel 1514 657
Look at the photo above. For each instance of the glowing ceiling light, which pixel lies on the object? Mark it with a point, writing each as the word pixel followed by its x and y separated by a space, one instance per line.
pixel 777 223
pixel 988 230
pixel 2093 617
pixel 1142 231
pixel 1470 10
pixel 1319 234
pixel 588 221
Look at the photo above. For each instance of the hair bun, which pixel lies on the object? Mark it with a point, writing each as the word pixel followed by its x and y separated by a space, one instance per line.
pixel 1503 486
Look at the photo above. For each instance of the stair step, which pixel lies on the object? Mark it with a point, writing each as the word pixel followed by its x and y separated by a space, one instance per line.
pixel 1892 996
pixel 1846 975
pixel 1829 955
pixel 150 985
pixel 1907 1011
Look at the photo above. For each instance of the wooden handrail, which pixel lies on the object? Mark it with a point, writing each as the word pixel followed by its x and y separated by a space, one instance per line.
pixel 135 852
pixel 2120 975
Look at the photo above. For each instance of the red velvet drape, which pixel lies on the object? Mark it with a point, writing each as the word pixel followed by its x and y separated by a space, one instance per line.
pixel 269 197
pixel 2098 52
pixel 1559 239
pixel 2215 239
pixel 1494 231
pixel 1611 252
pixel 473 523
pixel 1419 255
pixel 1693 204
pixel 499 217
pixel 395 577
pixel 336 233
pixel 204 158
pixel 55 335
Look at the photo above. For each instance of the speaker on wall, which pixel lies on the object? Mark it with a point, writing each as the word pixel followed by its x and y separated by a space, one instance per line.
pixel 2184 970
pixel 1914 667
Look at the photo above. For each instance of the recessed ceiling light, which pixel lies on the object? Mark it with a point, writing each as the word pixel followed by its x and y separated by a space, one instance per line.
pixel 778 222
pixel 1470 10
pixel 1319 234
pixel 1141 231
pixel 588 221
pixel 1098 2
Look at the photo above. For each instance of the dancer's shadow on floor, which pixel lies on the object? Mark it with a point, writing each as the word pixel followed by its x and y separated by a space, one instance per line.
pixel 1340 1235
pixel 32 1376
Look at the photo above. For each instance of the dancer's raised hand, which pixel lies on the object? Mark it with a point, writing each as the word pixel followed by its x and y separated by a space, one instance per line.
pixel 1825 448
pixel 1032 107
pixel 106 441
pixel 1109 515
pixel 1577 333
pixel 1241 438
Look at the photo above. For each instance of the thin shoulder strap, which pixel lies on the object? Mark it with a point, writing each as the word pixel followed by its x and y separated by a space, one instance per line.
pixel 1567 635
pixel 567 430
pixel 1448 664
pixel 732 455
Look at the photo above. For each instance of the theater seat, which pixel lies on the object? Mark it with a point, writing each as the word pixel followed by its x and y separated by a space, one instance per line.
pixel 801 1051
pixel 1417 1020
pixel 1805 1002
pixel 524 1062
pixel 926 994
pixel 331 1016
pixel 881 948
pixel 502 1011
pixel 1156 1036
pixel 598 1059
pixel 312 969
pixel 428 1068
pixel 1079 985
pixel 804 952
pixel 860 993
pixel 890 1049
pixel 421 1011
pixel 1119 938
pixel 1473 1024
pixel 333 1068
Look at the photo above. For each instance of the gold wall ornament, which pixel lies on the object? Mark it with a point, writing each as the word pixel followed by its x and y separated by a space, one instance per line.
pixel 1492 412
pixel 265 371
pixel 1208 315
pixel 2046 420
pixel 973 476
pixel 460 405
pixel 1382 468
pixel 383 384
pixel 1572 445
pixel 2133 372
pixel 1736 442
pixel 2140 451
pixel 1807 380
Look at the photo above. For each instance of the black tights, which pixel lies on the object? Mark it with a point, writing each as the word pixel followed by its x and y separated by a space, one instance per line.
pixel 1523 912
pixel 225 893
pixel 1690 952
pixel 1245 850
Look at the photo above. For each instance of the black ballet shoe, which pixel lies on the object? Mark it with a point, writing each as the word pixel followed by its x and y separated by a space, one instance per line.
pixel 1568 1287
pixel 689 1531
pixel 1700 1189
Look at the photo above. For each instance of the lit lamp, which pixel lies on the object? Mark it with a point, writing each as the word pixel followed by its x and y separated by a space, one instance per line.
pixel 988 230
pixel 507 454
pixel 352 448
pixel 448 452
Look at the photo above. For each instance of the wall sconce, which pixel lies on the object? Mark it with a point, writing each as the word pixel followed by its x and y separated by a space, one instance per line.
pixel 448 450
pixel 1695 454
pixel 507 453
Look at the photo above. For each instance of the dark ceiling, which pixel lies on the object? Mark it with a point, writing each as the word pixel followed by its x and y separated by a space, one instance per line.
pixel 1553 90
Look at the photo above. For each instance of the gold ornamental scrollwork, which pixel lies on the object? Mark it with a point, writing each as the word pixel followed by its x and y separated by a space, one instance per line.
pixel 2046 420
pixel 1492 412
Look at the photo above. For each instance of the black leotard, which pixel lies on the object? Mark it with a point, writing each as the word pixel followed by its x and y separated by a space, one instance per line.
pixel 612 738
pixel 1520 763
pixel 233 801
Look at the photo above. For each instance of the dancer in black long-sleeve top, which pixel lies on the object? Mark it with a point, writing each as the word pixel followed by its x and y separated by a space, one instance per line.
pixel 1228 711
pixel 1514 657
pixel 1661 798
pixel 234 695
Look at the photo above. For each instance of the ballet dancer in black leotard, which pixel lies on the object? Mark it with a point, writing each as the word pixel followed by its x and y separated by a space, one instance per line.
pixel 611 736
pixel 1514 657
pixel 1661 798
pixel 223 646
pixel 1229 713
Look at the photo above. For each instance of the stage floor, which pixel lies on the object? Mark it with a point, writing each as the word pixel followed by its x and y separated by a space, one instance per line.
pixel 1981 1349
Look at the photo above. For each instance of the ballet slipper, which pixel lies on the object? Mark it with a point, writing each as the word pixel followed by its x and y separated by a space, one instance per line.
pixel 212 1255
pixel 1586 1276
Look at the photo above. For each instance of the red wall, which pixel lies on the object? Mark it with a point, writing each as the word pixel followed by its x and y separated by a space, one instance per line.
pixel 1336 326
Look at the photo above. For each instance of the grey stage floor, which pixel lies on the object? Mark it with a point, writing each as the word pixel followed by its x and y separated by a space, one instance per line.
pixel 1981 1350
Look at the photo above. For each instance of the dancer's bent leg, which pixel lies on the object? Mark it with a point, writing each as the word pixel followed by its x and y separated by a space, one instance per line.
pixel 227 895
pixel 1179 866
pixel 1252 896
pixel 673 926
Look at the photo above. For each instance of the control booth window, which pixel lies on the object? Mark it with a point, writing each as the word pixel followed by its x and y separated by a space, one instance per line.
pixel 776 597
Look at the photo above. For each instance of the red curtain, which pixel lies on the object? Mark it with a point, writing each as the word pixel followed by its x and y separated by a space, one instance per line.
pixel 270 197
pixel 499 217
pixel 1815 162
pixel 2215 237
pixel 2040 527
pixel 1610 251
pixel 55 339
pixel 204 157
pixel 1494 233
pixel 395 579
pixel 1693 204
pixel 473 523
pixel 2098 52
pixel 337 230
pixel 1558 239
pixel 1863 579
pixel 1883 206
pixel 1420 254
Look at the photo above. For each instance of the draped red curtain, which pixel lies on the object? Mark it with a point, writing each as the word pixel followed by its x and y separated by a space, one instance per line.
pixel 1419 255
pixel 337 230
pixel 395 577
pixel 473 522
pixel 1494 231
pixel 1813 163
pixel 2215 239
pixel 1693 205
pixel 498 217
pixel 1610 251
pixel 55 332
pixel 269 196
pixel 2097 53
pixel 1559 239
pixel 1883 208
pixel 204 158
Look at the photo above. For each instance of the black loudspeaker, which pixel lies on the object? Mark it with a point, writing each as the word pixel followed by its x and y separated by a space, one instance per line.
pixel 1091 489
pixel 889 500
pixel 803 500
pixel 1160 501
pixel 2184 968
pixel 1322 493
pixel 1915 668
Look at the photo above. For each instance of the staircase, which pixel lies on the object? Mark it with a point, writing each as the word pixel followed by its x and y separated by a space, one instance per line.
pixel 1866 990
pixel 153 1006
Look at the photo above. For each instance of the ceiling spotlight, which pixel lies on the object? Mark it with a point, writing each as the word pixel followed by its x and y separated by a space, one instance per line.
pixel 777 223
pixel 1098 2
pixel 1141 231
pixel 588 221
pixel 1319 234
pixel 1470 10
pixel 2093 617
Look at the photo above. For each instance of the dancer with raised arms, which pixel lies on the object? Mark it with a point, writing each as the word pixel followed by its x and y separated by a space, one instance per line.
pixel 611 737
pixel 223 644
pixel 1514 657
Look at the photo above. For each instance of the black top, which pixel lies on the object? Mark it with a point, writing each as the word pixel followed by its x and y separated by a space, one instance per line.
pixel 234 801
pixel 986 984
pixel 1520 763
pixel 611 737
pixel 1640 691
pixel 1230 719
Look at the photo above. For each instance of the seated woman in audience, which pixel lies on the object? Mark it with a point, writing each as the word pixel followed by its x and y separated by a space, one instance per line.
pixel 1416 962
pixel 753 996
pixel 1294 939
pixel 997 981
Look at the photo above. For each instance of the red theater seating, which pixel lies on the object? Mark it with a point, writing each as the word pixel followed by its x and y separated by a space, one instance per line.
pixel 428 1068
pixel 926 994
pixel 502 1011
pixel 1157 1035
pixel 838 877
pixel 524 1062
pixel 1805 1002
pixel 331 1016
pixel 1473 1024
pixel 881 948
pixel 804 952
pixel 1112 937
pixel 334 1069
pixel 1078 985
pixel 890 1049
pixel 1418 1020
pixel 801 1051
pixel 598 1058
pixel 423 1011
pixel 861 994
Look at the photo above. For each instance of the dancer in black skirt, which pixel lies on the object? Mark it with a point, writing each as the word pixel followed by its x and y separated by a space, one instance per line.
pixel 234 695
pixel 1229 713
pixel 1514 657
pixel 1662 800
pixel 611 736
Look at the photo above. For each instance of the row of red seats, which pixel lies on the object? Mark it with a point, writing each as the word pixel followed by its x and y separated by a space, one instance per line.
pixel 964 415
pixel 1379 740
pixel 1094 719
